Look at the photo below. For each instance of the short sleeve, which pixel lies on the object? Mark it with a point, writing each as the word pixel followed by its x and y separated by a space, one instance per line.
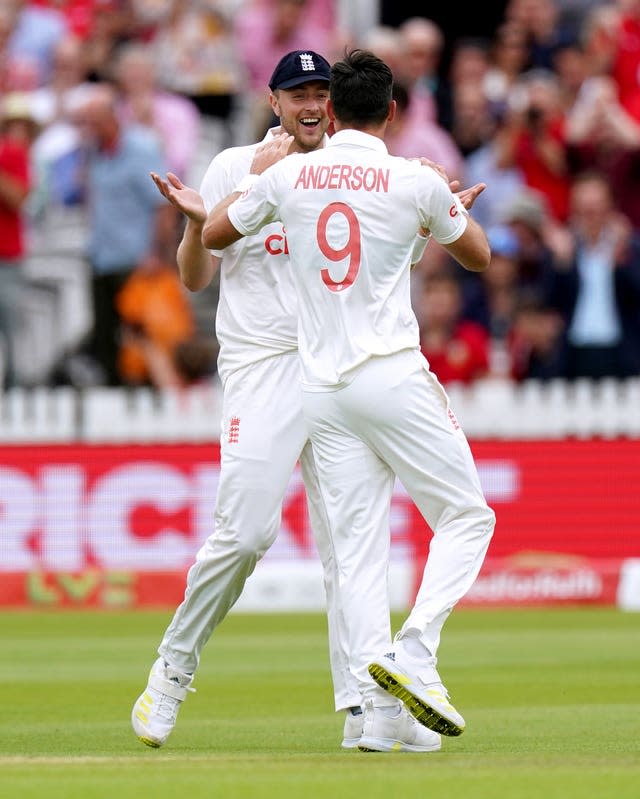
pixel 257 206
pixel 439 209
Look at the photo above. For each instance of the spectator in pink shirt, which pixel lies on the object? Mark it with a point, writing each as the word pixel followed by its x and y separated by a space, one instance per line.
pixel 410 138
pixel 174 118
pixel 422 43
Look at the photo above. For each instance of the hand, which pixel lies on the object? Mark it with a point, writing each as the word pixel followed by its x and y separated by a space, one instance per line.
pixel 270 153
pixel 181 197
pixel 468 196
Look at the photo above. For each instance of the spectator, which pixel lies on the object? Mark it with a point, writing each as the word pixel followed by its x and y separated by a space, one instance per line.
pixel 18 71
pixel 536 144
pixel 491 298
pixel 545 30
pixel 410 139
pixel 35 34
pixel 571 67
pixel 626 61
pixel 55 151
pixel 196 56
pixel 472 121
pixel 17 130
pixel 602 135
pixel 386 43
pixel 509 57
pixel 457 349
pixel 173 117
pixel 68 82
pixel 540 241
pixel 535 342
pixel 598 285
pixel 504 181
pixel 128 223
pixel 464 109
pixel 422 43
pixel 156 317
pixel 112 24
pixel 598 37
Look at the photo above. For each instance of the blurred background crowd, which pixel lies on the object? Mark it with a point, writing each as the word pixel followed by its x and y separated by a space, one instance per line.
pixel 540 100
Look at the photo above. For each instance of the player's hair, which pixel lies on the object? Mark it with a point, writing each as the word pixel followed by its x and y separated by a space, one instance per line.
pixel 360 89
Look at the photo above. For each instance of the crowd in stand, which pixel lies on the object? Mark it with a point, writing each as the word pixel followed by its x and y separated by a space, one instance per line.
pixel 94 94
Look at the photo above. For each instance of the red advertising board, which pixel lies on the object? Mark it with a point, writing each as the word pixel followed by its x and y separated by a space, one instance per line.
pixel 120 525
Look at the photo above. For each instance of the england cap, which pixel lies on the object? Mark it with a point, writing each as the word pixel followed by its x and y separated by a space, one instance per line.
pixel 299 66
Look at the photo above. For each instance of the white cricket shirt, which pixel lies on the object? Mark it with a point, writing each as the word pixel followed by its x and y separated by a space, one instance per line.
pixel 257 310
pixel 351 212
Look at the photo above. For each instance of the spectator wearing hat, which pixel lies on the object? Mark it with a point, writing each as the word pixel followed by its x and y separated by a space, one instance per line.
pixel 17 131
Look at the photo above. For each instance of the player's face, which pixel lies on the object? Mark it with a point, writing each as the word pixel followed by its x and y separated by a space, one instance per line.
pixel 303 113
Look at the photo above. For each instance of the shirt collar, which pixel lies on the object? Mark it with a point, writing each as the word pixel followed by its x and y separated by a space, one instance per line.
pixel 358 138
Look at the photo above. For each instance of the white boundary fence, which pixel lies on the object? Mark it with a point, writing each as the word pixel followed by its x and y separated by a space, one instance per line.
pixel 487 409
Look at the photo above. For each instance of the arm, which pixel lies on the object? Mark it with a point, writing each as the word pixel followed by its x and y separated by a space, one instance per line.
pixel 218 231
pixel 197 266
pixel 472 249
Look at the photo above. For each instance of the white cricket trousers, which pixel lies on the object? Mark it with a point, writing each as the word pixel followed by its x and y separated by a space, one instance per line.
pixel 263 435
pixel 393 418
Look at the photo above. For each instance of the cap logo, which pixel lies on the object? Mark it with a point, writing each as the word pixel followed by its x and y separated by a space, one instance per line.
pixel 306 62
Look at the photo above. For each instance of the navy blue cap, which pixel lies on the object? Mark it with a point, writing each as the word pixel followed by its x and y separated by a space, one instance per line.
pixel 300 66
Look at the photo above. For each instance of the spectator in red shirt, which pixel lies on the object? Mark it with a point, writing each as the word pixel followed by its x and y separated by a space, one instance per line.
pixel 17 130
pixel 535 121
pixel 457 350
pixel 626 62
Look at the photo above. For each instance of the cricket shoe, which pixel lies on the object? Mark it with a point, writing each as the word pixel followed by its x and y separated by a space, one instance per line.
pixel 156 709
pixel 352 728
pixel 417 684
pixel 400 733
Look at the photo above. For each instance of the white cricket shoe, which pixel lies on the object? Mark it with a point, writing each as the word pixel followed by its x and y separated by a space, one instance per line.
pixel 156 709
pixel 352 728
pixel 417 684
pixel 401 733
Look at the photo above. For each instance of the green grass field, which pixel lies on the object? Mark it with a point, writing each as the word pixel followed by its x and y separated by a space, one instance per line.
pixel 551 699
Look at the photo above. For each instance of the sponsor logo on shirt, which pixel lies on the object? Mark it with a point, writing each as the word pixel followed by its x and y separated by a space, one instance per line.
pixel 276 244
